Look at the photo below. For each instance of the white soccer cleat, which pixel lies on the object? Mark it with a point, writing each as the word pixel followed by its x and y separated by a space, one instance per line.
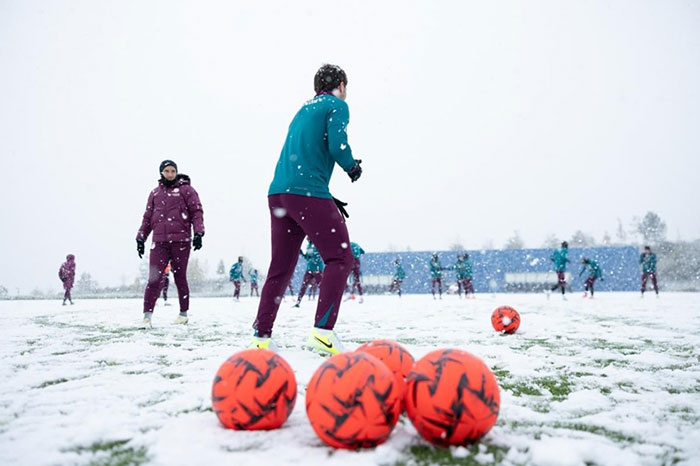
pixel 182 320
pixel 263 343
pixel 146 323
pixel 324 342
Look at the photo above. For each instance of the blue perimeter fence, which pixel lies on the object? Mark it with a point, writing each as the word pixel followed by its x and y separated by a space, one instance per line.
pixel 497 271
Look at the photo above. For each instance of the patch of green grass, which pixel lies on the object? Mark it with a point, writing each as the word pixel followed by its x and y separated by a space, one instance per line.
pixel 93 339
pixel 104 362
pixel 520 388
pixel 113 453
pixel 679 390
pixel 559 387
pixel 500 373
pixel 610 362
pixel 48 383
pixel 423 455
pixel 618 437
pixel 623 348
pixel 542 342
pixel 628 387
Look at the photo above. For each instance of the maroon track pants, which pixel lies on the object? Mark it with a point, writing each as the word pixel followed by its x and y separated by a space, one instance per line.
pixel 237 288
pixel 465 283
pixel 438 282
pixel 395 285
pixel 645 277
pixel 310 278
pixel 356 277
pixel 66 288
pixel 178 253
pixel 292 218
pixel 588 285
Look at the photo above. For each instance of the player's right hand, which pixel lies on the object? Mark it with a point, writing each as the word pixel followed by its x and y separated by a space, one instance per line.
pixel 140 248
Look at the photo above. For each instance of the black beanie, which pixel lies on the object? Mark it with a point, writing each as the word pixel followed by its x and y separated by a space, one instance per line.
pixel 167 163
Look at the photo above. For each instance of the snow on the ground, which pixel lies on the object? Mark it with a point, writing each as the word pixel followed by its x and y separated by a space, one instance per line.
pixel 610 381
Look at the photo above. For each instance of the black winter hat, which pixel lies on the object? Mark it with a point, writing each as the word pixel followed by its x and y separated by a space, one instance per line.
pixel 167 163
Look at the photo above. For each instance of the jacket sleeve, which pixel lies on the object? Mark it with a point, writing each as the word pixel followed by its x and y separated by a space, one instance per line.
pixel 194 207
pixel 336 126
pixel 146 226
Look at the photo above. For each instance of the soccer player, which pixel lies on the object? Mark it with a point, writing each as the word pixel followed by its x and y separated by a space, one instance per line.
pixel 235 275
pixel 313 274
pixel 67 275
pixel 436 274
pixel 173 210
pixel 648 262
pixel 397 280
pixel 463 272
pixel 357 252
pixel 594 273
pixel 560 260
pixel 254 282
pixel 301 205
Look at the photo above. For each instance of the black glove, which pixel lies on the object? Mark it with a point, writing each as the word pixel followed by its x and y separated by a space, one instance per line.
pixel 341 206
pixel 140 247
pixel 197 242
pixel 355 171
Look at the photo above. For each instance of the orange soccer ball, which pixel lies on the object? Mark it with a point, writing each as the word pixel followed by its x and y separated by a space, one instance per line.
pixel 505 319
pixel 394 355
pixel 255 389
pixel 452 397
pixel 353 401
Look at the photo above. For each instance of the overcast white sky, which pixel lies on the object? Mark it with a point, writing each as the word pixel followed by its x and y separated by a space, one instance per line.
pixel 473 119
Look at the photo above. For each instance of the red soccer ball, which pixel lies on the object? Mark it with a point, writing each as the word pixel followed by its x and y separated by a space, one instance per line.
pixel 505 319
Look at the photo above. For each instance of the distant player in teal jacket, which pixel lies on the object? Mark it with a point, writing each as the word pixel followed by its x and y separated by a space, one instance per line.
pixel 357 253
pixel 314 270
pixel 253 274
pixel 436 274
pixel 463 273
pixel 648 262
pixel 560 260
pixel 594 273
pixel 236 276
pixel 397 279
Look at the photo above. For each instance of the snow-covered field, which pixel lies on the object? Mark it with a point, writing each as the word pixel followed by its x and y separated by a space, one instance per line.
pixel 611 381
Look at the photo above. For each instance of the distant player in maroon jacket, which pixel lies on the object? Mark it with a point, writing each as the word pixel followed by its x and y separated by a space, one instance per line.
pixel 67 275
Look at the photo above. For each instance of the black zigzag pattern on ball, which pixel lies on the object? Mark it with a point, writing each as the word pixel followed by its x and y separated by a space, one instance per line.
pixel 433 382
pixel 214 398
pixel 353 402
pixel 266 407
pixel 402 352
pixel 450 419
pixel 263 407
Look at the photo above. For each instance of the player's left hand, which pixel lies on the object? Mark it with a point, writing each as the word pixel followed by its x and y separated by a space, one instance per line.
pixel 197 242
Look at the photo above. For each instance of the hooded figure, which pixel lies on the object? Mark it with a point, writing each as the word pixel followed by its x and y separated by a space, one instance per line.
pixel 67 275
pixel 173 211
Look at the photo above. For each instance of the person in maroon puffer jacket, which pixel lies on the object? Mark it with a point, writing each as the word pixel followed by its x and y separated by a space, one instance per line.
pixel 67 275
pixel 173 210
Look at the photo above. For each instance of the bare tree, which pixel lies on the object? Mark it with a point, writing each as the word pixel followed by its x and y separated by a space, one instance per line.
pixel 582 240
pixel 652 228
pixel 551 242
pixel 620 234
pixel 514 242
